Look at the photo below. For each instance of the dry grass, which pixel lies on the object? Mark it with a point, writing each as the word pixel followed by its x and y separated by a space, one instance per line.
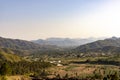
pixel 77 69
pixel 18 77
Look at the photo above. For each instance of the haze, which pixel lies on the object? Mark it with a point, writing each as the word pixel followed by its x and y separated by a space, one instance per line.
pixel 33 19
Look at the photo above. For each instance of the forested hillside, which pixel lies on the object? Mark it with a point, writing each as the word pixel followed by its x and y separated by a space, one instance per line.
pixel 22 47
pixel 110 45
pixel 9 55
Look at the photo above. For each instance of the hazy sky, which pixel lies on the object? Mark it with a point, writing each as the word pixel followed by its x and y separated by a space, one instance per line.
pixel 33 19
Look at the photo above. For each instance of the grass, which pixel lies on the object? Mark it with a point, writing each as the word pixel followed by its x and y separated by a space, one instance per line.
pixel 86 70
pixel 10 57
pixel 70 67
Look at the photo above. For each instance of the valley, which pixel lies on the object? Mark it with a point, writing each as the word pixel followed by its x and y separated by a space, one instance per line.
pixel 92 61
pixel 59 40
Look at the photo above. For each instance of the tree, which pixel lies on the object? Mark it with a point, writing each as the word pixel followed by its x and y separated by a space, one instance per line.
pixel 66 76
pixel 5 69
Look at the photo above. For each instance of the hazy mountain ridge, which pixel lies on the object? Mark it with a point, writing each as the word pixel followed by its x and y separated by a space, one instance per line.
pixel 65 42
pixel 111 45
pixel 23 47
pixel 20 44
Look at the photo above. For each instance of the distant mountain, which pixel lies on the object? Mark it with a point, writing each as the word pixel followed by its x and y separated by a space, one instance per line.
pixel 106 47
pixel 110 45
pixel 23 47
pixel 20 44
pixel 65 42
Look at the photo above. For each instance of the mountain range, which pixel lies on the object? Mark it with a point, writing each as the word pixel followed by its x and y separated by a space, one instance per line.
pixel 65 42
pixel 23 47
pixel 109 45
pixel 21 44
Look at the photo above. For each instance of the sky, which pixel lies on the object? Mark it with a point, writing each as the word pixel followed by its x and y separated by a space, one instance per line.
pixel 40 19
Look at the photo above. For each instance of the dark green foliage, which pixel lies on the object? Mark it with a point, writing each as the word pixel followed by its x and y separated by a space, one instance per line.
pixel 22 67
pixel 5 69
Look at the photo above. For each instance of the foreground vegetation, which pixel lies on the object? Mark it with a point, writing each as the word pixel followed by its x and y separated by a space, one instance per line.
pixel 25 60
pixel 87 68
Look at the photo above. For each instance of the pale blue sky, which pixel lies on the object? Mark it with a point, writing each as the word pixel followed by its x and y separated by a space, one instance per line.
pixel 33 19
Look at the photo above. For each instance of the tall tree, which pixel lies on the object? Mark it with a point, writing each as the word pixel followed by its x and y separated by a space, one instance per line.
pixel 5 69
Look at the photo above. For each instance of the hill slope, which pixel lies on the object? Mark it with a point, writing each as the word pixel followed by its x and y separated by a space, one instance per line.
pixel 8 55
pixel 23 47
pixel 107 45
pixel 20 44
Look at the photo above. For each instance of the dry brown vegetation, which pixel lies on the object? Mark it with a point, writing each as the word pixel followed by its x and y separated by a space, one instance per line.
pixel 82 70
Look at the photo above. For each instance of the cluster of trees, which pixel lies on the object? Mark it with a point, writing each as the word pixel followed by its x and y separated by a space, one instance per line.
pixel 38 70
pixel 23 67
pixel 99 61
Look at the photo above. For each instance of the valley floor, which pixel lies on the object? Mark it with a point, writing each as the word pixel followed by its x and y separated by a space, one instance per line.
pixel 76 68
